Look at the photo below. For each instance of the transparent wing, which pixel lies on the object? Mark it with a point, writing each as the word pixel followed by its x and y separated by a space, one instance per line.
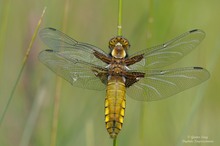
pixel 169 52
pixel 78 73
pixel 159 84
pixel 60 42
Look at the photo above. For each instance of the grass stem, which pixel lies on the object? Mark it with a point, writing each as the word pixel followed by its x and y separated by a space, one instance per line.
pixel 115 141
pixel 143 108
pixel 56 110
pixel 119 33
pixel 53 138
pixel 33 116
pixel 22 67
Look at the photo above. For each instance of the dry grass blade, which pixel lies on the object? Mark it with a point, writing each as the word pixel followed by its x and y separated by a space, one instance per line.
pixel 22 67
pixel 53 137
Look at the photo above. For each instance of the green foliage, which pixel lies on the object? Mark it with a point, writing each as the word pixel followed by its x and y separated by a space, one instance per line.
pixel 172 121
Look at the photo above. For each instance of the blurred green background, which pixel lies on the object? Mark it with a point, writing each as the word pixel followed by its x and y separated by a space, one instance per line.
pixel 169 122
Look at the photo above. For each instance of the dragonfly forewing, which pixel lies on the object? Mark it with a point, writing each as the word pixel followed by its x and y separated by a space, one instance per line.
pixel 60 42
pixel 169 52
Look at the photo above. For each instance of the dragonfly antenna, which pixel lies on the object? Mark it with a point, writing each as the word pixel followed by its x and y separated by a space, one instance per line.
pixel 119 33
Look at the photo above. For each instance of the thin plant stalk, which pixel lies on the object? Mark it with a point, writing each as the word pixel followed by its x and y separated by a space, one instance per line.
pixel 115 141
pixel 56 110
pixel 143 107
pixel 53 138
pixel 22 67
pixel 119 33
pixel 32 119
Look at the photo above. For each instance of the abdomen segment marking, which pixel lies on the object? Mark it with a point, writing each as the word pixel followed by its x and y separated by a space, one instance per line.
pixel 115 106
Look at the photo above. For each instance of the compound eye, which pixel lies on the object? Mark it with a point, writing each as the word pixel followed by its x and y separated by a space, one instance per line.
pixel 112 42
pixel 125 43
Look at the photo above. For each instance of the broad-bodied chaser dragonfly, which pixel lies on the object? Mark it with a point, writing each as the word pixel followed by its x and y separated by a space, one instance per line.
pixel 87 66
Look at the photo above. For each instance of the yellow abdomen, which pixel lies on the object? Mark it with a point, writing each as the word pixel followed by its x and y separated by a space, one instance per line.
pixel 114 105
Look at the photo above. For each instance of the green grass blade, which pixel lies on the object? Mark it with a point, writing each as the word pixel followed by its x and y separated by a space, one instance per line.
pixel 22 67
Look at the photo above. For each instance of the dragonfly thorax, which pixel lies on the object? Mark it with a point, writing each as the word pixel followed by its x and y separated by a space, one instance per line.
pixel 119 46
pixel 116 69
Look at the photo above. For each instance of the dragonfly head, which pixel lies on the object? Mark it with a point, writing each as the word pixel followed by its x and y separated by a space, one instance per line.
pixel 118 46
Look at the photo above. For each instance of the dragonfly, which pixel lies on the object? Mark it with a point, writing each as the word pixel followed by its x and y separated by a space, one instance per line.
pixel 138 75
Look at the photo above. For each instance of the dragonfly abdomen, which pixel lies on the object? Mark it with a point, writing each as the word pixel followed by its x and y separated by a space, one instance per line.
pixel 114 105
